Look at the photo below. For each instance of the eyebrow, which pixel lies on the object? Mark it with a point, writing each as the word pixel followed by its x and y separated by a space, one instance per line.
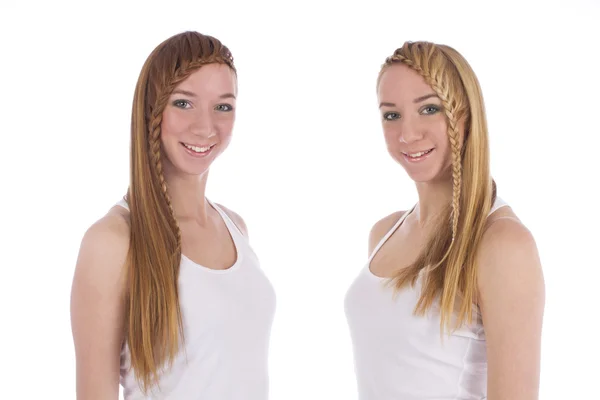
pixel 192 94
pixel 417 100
pixel 184 92
pixel 422 98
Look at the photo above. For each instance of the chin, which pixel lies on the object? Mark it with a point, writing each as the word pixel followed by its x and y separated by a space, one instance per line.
pixel 181 168
pixel 429 176
pixel 196 170
pixel 423 175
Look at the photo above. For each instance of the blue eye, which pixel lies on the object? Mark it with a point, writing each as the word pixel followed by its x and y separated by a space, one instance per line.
pixel 390 116
pixel 181 104
pixel 224 107
pixel 430 109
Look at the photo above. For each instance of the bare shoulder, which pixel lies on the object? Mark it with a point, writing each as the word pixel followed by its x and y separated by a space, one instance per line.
pixel 103 249
pixel 381 227
pixel 508 255
pixel 109 236
pixel 506 236
pixel 97 304
pixel 236 218
pixel 511 299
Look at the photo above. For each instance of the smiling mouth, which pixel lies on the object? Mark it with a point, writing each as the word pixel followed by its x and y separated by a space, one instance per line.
pixel 198 149
pixel 417 154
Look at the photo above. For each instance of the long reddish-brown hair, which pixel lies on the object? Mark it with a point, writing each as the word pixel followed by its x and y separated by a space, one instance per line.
pixel 153 317
pixel 449 257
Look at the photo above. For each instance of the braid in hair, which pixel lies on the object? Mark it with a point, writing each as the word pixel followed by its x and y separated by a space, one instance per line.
pixel 449 258
pixel 155 155
pixel 155 326
pixel 435 78
pixel 155 132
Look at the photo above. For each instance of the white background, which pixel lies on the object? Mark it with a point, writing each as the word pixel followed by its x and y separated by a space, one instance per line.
pixel 307 168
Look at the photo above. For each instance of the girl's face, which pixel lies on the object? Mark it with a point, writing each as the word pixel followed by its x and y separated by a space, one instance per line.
pixel 198 119
pixel 414 124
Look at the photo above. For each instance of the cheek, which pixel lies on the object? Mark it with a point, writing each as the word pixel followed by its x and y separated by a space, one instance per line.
pixel 435 134
pixel 224 126
pixel 438 136
pixel 439 129
pixel 389 133
pixel 170 125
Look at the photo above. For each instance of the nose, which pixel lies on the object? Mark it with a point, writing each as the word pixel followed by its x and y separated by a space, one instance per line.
pixel 410 131
pixel 202 125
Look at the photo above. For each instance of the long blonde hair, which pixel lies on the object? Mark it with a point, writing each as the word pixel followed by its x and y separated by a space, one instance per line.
pixel 153 317
pixel 448 260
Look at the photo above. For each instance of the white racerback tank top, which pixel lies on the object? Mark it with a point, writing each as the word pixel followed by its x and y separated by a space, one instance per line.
pixel 227 317
pixel 398 355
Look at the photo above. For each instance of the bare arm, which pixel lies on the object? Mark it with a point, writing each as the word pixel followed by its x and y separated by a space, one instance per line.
pixel 97 308
pixel 512 298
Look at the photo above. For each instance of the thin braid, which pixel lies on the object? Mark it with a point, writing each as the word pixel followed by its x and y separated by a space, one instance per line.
pixel 434 79
pixel 456 172
pixel 155 328
pixel 154 142
pixel 449 260
pixel 157 161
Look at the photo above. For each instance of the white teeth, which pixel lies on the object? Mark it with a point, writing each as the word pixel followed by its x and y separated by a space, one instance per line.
pixel 419 154
pixel 198 149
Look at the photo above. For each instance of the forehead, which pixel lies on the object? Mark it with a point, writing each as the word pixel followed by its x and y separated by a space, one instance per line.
pixel 210 79
pixel 399 80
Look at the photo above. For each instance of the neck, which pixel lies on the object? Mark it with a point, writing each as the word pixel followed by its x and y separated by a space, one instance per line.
pixel 434 197
pixel 188 196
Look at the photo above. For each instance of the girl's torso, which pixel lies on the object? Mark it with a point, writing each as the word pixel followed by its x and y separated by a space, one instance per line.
pixel 399 355
pixel 227 310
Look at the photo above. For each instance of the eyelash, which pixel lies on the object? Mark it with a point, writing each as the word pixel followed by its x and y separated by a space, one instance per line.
pixel 186 104
pixel 388 114
pixel 431 106
pixel 229 107
pixel 177 102
pixel 435 109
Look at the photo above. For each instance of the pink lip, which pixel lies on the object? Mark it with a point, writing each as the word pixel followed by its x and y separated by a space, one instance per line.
pixel 417 159
pixel 198 145
pixel 417 151
pixel 198 155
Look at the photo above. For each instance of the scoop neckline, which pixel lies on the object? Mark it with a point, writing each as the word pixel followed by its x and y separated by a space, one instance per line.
pixel 236 244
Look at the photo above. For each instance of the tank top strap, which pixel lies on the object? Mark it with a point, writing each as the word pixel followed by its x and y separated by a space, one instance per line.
pixel 231 224
pixel 123 203
pixel 228 221
pixel 498 203
pixel 390 233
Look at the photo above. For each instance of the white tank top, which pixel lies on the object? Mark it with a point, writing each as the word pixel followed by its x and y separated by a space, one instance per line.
pixel 398 355
pixel 227 317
